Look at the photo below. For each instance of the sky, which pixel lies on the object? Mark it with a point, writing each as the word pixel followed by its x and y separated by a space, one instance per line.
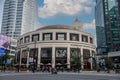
pixel 64 12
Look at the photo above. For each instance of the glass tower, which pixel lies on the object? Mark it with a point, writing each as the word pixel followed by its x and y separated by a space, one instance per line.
pixel 19 17
pixel 108 24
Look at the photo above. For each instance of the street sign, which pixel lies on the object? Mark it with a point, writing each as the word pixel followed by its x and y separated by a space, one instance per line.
pixel 2 51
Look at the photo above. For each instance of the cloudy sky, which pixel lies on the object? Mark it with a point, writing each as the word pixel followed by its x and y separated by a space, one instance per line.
pixel 64 12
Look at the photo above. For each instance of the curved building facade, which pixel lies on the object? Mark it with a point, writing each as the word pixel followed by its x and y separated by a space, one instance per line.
pixel 56 46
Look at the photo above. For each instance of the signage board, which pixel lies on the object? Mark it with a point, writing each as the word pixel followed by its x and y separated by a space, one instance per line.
pixel 2 51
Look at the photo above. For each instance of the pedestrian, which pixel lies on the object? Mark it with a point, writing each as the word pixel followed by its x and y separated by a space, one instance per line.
pixel 43 68
pixel 33 69
pixel 105 69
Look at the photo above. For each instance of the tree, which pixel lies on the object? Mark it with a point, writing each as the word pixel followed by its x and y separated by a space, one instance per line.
pixel 76 58
pixel 108 63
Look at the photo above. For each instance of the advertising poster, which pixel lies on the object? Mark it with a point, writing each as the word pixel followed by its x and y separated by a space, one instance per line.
pixel 4 42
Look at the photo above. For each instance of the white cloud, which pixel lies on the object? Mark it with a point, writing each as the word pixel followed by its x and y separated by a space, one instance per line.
pixel 90 28
pixel 69 7
pixel 89 25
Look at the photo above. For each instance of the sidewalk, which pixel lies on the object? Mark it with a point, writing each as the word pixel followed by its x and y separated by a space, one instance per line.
pixel 65 72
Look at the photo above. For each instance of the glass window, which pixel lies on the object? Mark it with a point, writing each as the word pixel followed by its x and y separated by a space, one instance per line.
pixel 21 40
pixel 33 53
pixel 46 52
pixel 35 37
pixel 86 53
pixel 84 38
pixel 74 54
pixel 74 37
pixel 91 40
pixel 60 36
pixel 61 52
pixel 27 39
pixel 47 36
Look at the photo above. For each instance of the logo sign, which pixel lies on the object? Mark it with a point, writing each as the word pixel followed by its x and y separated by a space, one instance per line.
pixel 2 51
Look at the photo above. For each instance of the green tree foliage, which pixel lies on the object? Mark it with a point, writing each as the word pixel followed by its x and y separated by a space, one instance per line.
pixel 108 62
pixel 75 59
pixel 5 57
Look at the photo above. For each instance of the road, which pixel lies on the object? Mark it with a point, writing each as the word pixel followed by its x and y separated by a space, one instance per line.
pixel 59 76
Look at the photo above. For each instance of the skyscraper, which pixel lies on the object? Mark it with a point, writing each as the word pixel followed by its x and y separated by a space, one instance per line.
pixel 19 17
pixel 107 13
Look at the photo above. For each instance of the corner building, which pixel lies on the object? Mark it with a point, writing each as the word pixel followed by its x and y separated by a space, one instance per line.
pixel 55 45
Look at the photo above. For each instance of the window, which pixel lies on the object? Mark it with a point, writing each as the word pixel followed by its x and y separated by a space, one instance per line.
pixel 21 40
pixel 74 54
pixel 27 39
pixel 61 52
pixel 86 53
pixel 84 38
pixel 91 40
pixel 35 37
pixel 46 52
pixel 47 36
pixel 74 37
pixel 60 36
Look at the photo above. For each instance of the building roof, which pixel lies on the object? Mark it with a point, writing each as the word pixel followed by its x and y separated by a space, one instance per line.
pixel 58 27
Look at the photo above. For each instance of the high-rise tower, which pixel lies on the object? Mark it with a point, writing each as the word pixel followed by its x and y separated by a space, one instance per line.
pixel 19 16
pixel 108 23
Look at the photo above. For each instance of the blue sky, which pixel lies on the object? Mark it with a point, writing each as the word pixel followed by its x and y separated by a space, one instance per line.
pixel 64 12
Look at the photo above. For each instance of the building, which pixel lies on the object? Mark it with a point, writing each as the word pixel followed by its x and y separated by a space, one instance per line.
pixel 55 46
pixel 29 16
pixel 115 57
pixel 15 15
pixel 13 44
pixel 108 24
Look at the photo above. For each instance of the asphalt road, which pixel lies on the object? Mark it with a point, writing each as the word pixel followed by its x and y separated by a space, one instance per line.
pixel 59 76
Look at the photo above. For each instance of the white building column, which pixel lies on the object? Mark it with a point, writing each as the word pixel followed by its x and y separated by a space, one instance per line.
pixel 82 62
pixel 68 36
pixel 53 57
pixel 54 36
pixel 91 60
pixel 80 38
pixel 20 58
pixel 68 57
pixel 41 36
pixel 39 57
pixel 27 58
pixel 30 38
